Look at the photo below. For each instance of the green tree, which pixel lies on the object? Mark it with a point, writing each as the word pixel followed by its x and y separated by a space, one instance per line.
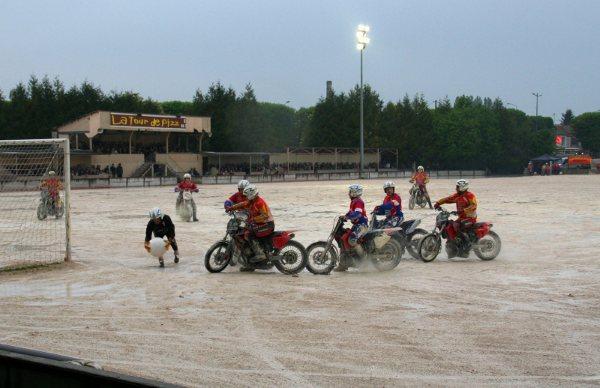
pixel 217 103
pixel 177 107
pixel 567 117
pixel 587 130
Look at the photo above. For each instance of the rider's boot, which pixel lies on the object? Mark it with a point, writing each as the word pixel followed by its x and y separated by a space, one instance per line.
pixel 176 259
pixel 343 264
pixel 161 262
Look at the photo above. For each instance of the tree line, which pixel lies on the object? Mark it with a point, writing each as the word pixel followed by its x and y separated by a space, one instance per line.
pixel 469 132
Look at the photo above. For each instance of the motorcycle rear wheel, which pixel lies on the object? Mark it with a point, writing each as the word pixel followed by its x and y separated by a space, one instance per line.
pixel 219 261
pixel 412 244
pixel 41 212
pixel 60 211
pixel 294 258
pixel 388 256
pixel 429 247
pixel 319 262
pixel 488 247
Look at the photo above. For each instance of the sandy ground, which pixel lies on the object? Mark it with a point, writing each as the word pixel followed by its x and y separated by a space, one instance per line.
pixel 530 317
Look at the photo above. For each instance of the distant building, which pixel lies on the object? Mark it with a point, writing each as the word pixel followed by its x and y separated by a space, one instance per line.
pixel 140 142
pixel 565 140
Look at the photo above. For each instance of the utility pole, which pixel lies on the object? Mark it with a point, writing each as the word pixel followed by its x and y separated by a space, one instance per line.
pixel 537 97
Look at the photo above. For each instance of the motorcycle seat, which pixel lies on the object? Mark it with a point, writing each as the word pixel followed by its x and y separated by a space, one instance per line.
pixel 406 224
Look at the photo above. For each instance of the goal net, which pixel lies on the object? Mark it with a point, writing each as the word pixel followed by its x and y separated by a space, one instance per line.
pixel 34 202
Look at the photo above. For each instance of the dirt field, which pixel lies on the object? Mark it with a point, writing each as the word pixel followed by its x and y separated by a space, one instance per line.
pixel 530 317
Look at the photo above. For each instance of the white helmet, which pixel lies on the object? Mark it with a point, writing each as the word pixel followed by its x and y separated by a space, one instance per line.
pixel 462 184
pixel 156 213
pixel 187 176
pixel 242 184
pixel 51 173
pixel 389 184
pixel 355 190
pixel 420 168
pixel 250 191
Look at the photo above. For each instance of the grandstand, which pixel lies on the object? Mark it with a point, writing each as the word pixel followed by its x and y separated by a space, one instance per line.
pixel 159 145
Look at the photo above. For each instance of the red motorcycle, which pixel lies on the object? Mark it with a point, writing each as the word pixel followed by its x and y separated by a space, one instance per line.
pixel 279 250
pixel 476 236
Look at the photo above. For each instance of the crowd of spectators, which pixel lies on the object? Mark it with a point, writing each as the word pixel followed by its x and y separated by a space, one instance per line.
pixel 118 148
pixel 549 168
pixel 282 168
pixel 106 147
pixel 109 171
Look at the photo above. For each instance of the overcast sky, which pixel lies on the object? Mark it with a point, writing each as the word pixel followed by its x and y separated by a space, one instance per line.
pixel 288 49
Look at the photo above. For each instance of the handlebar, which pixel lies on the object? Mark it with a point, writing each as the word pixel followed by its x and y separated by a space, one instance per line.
pixel 441 209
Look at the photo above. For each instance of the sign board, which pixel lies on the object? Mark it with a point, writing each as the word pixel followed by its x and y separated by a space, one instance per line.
pixel 558 140
pixel 147 121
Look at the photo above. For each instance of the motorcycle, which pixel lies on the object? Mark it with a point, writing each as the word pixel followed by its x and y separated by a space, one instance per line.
pixel 417 197
pixel 477 237
pixel 377 245
pixel 279 250
pixel 408 235
pixel 185 208
pixel 50 205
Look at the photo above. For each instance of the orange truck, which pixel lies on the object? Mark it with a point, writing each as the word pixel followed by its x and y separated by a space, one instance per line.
pixel 580 161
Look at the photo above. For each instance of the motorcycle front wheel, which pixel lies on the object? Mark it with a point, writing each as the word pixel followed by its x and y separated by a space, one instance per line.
pixel 411 202
pixel 488 247
pixel 388 256
pixel 320 262
pixel 41 211
pixel 293 258
pixel 429 247
pixel 412 245
pixel 217 257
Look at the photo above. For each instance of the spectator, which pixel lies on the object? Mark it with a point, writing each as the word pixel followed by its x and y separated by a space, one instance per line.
pixel 113 170
pixel 120 171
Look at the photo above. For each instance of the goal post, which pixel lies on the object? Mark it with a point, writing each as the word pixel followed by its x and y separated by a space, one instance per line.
pixel 35 202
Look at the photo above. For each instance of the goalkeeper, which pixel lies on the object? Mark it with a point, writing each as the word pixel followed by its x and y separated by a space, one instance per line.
pixel 161 225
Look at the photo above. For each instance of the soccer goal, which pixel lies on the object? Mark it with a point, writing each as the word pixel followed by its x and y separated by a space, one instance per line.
pixel 35 193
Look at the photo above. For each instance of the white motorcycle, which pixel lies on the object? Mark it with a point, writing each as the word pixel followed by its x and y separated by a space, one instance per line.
pixel 185 208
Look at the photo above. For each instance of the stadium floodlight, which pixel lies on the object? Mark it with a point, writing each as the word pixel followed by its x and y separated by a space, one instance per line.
pixel 362 40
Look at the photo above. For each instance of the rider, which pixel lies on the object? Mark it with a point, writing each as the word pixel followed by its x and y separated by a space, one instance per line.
pixel 358 216
pixel 52 187
pixel 260 219
pixel 391 207
pixel 466 207
pixel 238 196
pixel 186 184
pixel 161 225
pixel 421 179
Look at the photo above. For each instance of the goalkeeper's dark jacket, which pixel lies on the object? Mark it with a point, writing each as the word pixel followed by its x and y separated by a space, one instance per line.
pixel 164 228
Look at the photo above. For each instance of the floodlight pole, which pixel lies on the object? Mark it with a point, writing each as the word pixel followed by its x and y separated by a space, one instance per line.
pixel 362 129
